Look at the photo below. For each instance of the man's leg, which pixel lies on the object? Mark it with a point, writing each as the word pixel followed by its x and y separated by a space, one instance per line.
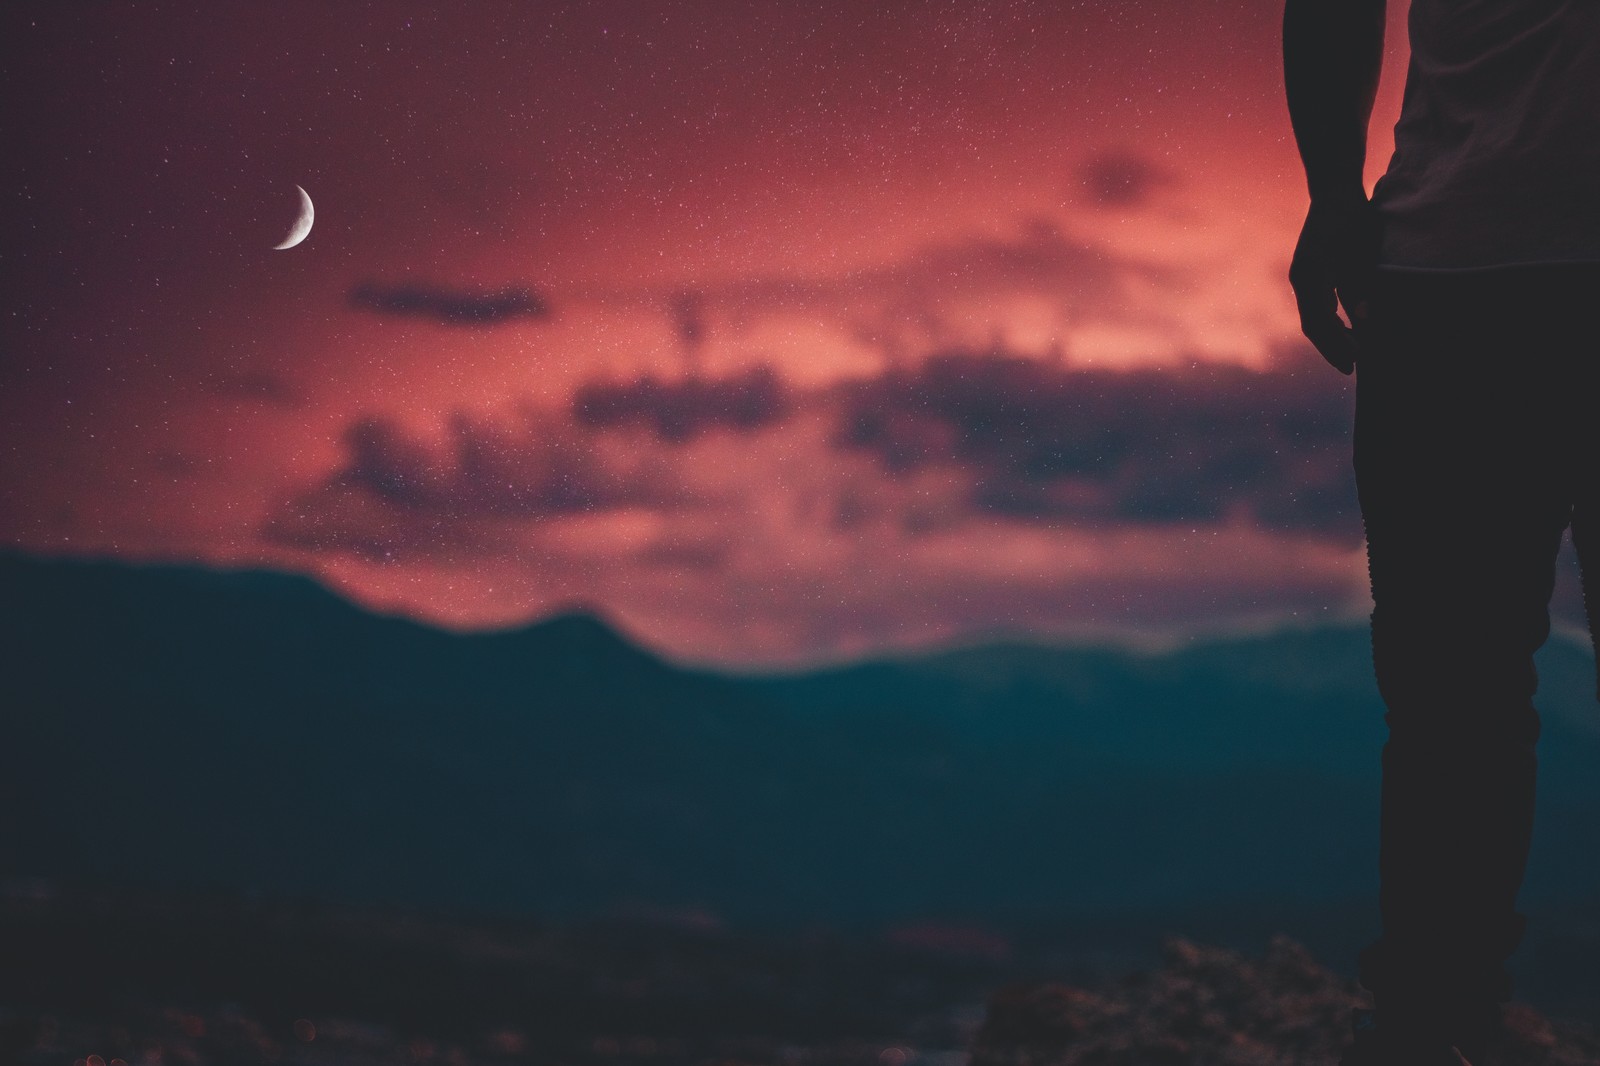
pixel 1464 516
pixel 1581 448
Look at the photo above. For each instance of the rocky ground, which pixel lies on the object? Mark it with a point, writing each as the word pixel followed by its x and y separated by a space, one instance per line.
pixel 156 981
pixel 1211 1007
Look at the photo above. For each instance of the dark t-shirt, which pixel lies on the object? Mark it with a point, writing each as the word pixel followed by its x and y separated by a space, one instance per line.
pixel 1497 150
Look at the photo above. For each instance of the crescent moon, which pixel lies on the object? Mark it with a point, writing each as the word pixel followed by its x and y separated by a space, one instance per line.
pixel 301 227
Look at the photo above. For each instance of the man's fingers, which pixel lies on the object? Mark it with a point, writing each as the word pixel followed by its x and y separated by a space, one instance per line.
pixel 1336 344
pixel 1322 326
pixel 1325 272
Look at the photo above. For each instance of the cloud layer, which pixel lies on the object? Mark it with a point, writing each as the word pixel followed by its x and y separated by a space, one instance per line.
pixel 399 493
pixel 1045 442
pixel 1122 178
pixel 1025 439
pixel 978 488
pixel 679 410
pixel 940 293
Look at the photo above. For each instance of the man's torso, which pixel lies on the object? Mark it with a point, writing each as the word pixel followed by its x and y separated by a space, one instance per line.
pixel 1497 151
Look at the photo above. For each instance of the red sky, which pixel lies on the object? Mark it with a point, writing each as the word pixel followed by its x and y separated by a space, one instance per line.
pixel 776 332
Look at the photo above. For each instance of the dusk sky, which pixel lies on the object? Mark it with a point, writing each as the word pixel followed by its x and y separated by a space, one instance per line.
pixel 779 333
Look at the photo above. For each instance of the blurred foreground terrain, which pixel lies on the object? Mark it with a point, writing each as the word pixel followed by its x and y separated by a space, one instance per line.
pixel 97 978
pixel 249 822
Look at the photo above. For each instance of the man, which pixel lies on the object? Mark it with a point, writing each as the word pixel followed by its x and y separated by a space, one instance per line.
pixel 1471 279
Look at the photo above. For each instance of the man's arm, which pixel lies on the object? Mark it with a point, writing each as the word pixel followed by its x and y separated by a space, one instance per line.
pixel 1332 55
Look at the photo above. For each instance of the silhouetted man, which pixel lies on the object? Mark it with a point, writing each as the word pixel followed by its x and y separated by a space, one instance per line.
pixel 1472 282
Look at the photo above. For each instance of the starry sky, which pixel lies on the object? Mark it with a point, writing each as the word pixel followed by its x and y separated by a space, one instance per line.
pixel 778 333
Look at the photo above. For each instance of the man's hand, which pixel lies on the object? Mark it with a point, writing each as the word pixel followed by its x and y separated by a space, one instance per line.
pixel 1332 56
pixel 1332 266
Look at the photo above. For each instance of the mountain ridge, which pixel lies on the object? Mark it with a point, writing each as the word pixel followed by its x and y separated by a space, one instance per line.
pixel 254 729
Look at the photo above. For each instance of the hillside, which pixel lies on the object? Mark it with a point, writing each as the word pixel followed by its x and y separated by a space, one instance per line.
pixel 249 729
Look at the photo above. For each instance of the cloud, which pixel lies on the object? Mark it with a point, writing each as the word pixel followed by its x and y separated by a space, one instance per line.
pixel 455 307
pixel 966 437
pixel 481 485
pixel 980 488
pixel 933 295
pixel 680 410
pixel 1049 442
pixel 398 491
pixel 1042 260
pixel 1121 178
pixel 689 320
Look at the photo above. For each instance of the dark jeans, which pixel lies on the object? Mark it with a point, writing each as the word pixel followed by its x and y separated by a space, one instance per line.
pixel 1477 442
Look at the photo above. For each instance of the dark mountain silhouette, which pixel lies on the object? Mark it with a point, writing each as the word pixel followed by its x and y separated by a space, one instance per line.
pixel 180 726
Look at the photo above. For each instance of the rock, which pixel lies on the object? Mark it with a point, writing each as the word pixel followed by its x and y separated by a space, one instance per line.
pixel 1208 1005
